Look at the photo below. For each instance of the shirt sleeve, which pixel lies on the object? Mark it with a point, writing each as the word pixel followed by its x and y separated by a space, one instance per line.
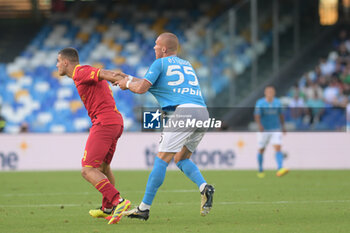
pixel 87 74
pixel 154 71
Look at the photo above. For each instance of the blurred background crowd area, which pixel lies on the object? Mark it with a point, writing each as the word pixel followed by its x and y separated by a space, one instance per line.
pixel 237 47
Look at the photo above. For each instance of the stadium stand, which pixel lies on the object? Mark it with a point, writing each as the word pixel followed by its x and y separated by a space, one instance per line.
pixel 224 65
pixel 33 94
pixel 319 99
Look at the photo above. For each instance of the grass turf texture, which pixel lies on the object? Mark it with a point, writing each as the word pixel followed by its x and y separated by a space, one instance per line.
pixel 302 201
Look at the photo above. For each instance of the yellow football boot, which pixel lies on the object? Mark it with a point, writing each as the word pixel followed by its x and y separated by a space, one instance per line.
pixel 117 214
pixel 99 213
pixel 282 172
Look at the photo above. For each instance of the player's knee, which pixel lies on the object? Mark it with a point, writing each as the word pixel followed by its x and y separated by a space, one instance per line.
pixel 182 155
pixel 166 156
pixel 176 159
pixel 85 172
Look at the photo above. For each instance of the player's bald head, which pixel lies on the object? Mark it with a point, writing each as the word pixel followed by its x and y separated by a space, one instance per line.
pixel 170 41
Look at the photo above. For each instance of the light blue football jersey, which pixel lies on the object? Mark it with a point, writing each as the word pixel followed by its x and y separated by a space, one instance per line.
pixel 174 82
pixel 269 113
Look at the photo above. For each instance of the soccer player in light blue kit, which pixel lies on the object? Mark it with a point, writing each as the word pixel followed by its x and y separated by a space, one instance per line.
pixel 174 84
pixel 270 120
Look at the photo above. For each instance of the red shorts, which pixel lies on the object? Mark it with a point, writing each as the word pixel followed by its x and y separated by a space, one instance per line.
pixel 101 144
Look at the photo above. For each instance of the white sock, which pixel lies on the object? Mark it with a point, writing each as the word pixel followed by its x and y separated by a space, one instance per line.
pixel 107 210
pixel 201 188
pixel 144 206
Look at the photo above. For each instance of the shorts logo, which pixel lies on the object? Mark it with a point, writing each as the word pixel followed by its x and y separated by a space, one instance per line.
pixel 151 120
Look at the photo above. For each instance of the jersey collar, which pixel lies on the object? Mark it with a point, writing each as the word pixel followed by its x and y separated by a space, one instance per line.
pixel 74 70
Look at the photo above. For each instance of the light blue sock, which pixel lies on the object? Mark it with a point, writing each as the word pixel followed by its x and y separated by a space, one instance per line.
pixel 155 180
pixel 279 159
pixel 260 162
pixel 191 171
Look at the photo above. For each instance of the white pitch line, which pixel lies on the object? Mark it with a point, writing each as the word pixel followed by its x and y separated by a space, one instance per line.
pixel 40 205
pixel 281 202
pixel 190 203
pixel 178 191
pixel 87 193
pixel 41 194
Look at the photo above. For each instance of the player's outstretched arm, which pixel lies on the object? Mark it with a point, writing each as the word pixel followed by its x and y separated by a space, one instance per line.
pixel 111 76
pixel 258 121
pixel 134 84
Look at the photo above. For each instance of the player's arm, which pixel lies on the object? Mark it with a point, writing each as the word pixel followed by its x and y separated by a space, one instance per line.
pixel 89 75
pixel 111 76
pixel 138 85
pixel 281 116
pixel 257 116
pixel 258 121
pixel 282 123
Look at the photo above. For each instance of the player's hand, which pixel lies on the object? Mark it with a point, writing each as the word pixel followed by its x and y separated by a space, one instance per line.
pixel 284 130
pixel 119 75
pixel 122 83
pixel 261 128
pixel 119 78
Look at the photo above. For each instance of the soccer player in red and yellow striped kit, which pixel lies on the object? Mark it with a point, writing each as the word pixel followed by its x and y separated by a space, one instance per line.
pixel 107 127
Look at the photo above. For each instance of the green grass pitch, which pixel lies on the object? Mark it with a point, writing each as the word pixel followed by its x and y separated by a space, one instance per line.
pixel 302 201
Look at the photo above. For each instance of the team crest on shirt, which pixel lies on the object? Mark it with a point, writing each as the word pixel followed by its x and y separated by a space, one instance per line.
pixel 152 119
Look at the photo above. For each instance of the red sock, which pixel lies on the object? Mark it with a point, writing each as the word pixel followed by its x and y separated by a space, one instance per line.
pixel 106 204
pixel 109 192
